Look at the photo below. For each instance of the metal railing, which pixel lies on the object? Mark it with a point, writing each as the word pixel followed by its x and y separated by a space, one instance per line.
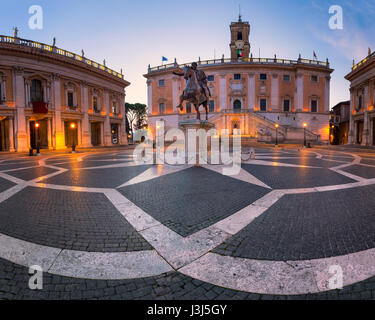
pixel 55 50
pixel 247 61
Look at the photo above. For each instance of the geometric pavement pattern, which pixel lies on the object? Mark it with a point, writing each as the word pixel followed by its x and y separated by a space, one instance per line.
pixel 103 227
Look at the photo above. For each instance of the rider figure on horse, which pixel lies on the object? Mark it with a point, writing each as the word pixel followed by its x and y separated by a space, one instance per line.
pixel 202 79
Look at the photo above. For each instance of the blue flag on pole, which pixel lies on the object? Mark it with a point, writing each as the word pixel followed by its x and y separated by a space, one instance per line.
pixel 164 59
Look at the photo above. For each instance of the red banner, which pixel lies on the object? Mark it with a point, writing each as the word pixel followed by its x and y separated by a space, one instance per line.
pixel 40 107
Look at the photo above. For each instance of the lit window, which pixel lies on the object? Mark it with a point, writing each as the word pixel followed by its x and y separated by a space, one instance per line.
pixel 161 83
pixel 114 107
pixel 263 76
pixel 286 105
pixel 211 78
pixel 263 104
pixel 237 76
pixel 211 106
pixel 314 106
pixel 286 78
pixel 162 108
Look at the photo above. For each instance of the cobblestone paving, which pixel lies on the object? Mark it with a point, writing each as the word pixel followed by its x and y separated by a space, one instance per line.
pixel 68 220
pixel 5 184
pixel 169 210
pixel 100 178
pixel 364 172
pixel 308 226
pixel 169 286
pixel 193 199
pixel 287 178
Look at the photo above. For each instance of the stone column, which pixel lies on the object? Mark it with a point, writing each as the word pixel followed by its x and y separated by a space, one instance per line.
pixel 275 92
pixel 327 94
pixel 174 93
pixel 21 136
pixel 299 98
pixel 11 135
pixel 251 91
pixel 351 120
pixel 365 134
pixel 123 136
pixel 59 137
pixel 49 133
pixel 107 125
pixel 149 97
pixel 223 92
pixel 86 130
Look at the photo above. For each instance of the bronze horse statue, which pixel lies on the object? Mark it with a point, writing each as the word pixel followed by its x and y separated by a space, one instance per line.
pixel 193 91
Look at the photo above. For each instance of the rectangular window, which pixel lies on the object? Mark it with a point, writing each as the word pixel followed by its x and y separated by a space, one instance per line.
pixel 211 78
pixel 161 83
pixel 70 99
pixel 188 107
pixel 162 108
pixel 211 106
pixel 314 106
pixel 263 76
pixel 359 102
pixel 36 91
pixel 263 104
pixel 314 78
pixel 95 104
pixel 286 105
pixel 286 78
pixel 239 35
pixel 114 107
pixel 237 76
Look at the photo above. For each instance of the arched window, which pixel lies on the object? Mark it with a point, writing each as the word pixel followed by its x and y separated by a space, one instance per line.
pixel 239 35
pixel 237 105
pixel 36 91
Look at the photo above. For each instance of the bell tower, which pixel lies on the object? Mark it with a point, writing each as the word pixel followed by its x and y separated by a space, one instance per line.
pixel 239 43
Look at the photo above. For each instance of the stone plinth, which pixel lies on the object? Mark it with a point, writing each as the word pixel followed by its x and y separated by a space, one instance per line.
pixel 203 147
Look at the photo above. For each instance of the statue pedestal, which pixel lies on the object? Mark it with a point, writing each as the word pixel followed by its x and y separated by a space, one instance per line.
pixel 192 130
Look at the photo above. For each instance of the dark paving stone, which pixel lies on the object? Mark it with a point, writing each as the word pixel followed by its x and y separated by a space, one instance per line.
pixel 361 171
pixel 310 162
pixel 20 165
pixel 371 162
pixel 291 178
pixel 192 199
pixel 309 226
pixel 30 174
pixel 97 178
pixel 86 164
pixel 68 220
pixel 169 286
pixel 5 184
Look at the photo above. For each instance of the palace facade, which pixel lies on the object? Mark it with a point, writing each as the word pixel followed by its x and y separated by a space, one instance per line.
pixel 251 94
pixel 362 101
pixel 53 98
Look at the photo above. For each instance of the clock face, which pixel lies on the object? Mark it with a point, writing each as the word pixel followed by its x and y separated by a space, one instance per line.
pixel 240 44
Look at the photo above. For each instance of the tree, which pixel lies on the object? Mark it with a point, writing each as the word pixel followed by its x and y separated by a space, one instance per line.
pixel 136 114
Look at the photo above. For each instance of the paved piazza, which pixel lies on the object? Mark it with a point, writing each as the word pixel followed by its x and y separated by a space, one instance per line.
pixel 102 227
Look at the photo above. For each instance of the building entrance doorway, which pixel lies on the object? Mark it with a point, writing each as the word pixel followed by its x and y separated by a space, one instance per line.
pixel 114 133
pixel 71 133
pixel 4 134
pixel 39 134
pixel 359 132
pixel 95 133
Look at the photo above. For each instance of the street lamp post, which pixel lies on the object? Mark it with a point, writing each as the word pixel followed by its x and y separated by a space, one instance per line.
pixel 276 126
pixel 37 138
pixel 304 134
pixel 73 126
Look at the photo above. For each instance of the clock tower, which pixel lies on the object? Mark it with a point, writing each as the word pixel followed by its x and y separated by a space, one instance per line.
pixel 239 44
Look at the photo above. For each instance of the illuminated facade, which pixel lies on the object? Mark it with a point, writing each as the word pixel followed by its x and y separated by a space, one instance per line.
pixel 362 101
pixel 251 94
pixel 54 99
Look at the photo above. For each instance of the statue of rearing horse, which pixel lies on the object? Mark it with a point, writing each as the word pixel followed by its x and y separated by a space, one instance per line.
pixel 194 92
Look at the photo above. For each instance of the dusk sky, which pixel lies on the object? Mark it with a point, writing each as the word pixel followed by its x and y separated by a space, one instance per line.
pixel 132 34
